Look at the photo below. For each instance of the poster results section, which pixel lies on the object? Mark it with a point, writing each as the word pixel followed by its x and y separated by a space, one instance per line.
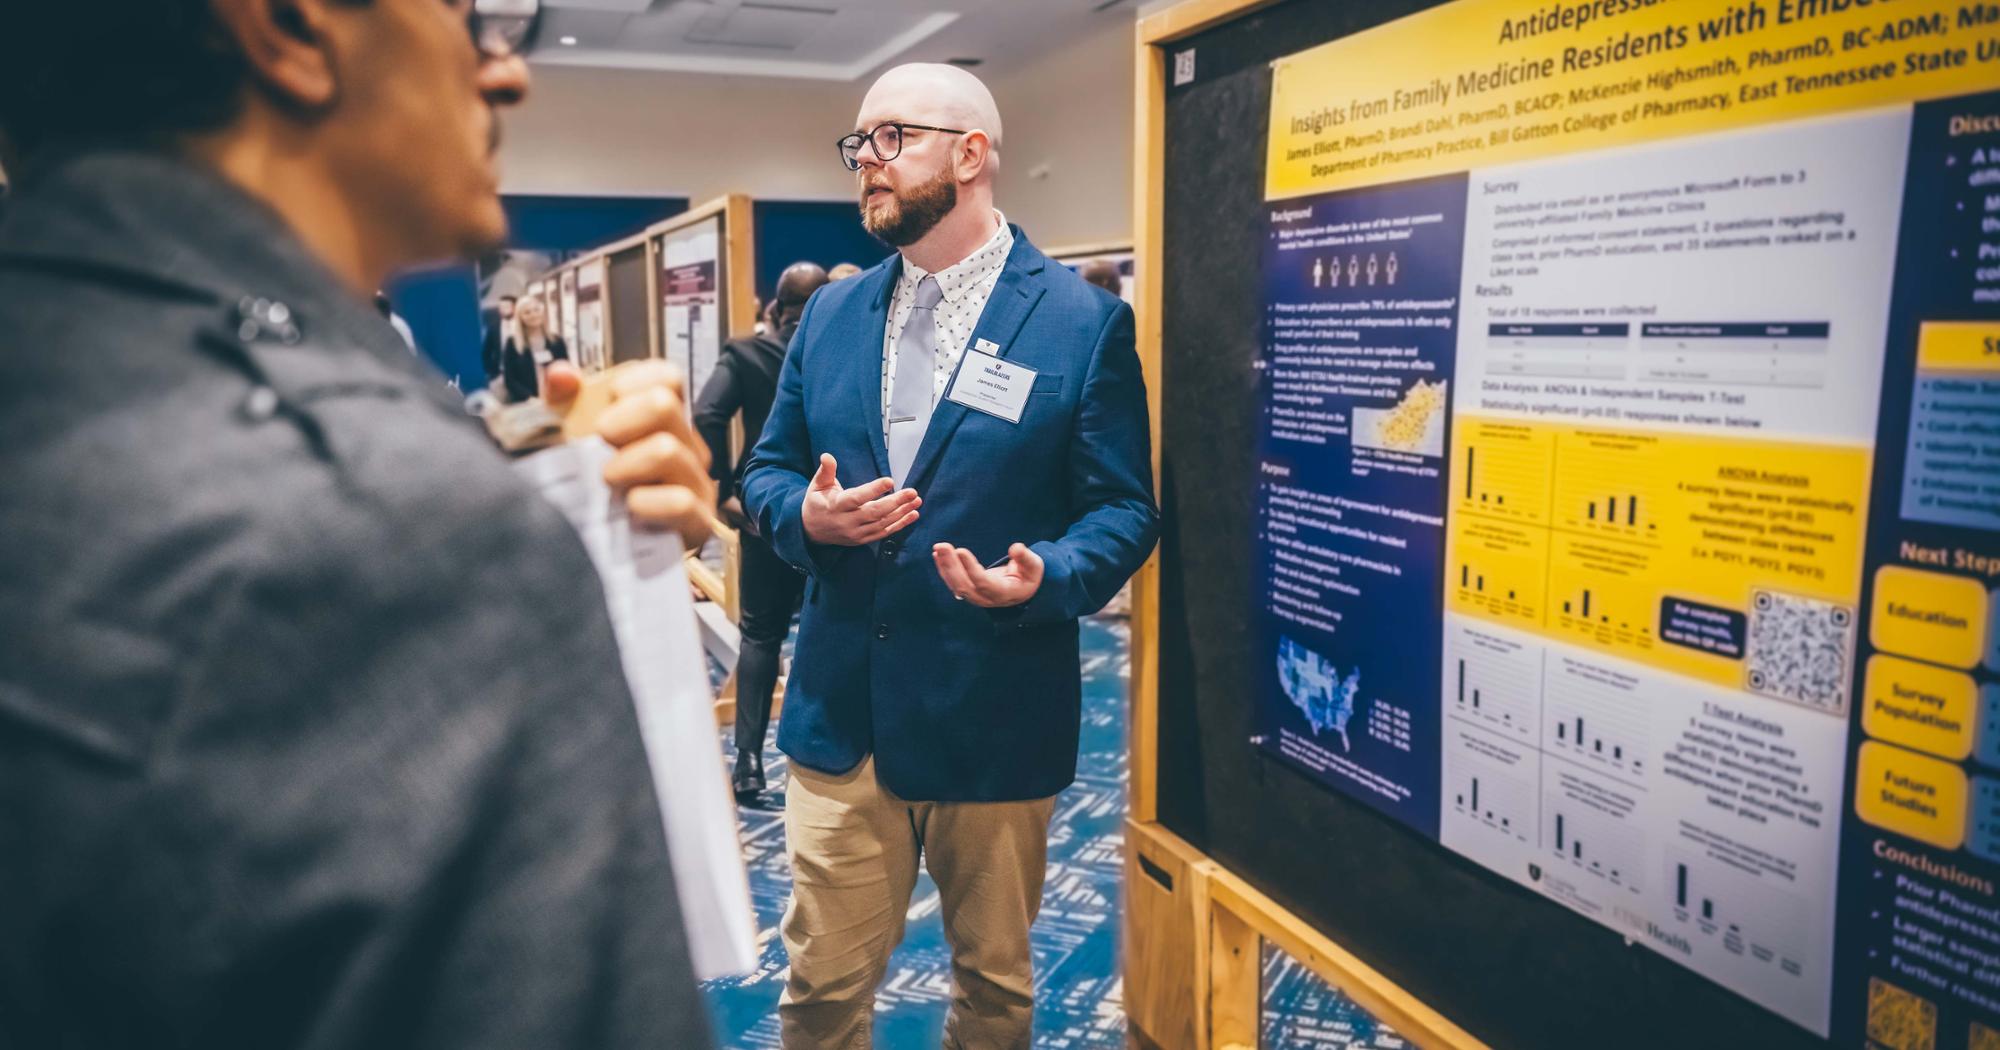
pixel 1668 376
pixel 1360 321
pixel 1921 876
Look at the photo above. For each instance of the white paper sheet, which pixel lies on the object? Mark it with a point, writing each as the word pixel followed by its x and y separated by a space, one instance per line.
pixel 652 614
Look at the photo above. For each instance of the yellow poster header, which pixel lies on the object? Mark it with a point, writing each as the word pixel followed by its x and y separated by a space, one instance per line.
pixel 1485 82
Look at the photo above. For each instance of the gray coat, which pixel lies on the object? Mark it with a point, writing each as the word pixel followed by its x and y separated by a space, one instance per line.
pixel 312 728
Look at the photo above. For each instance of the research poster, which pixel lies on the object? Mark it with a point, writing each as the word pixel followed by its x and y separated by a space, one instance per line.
pixel 590 313
pixel 1629 476
pixel 691 298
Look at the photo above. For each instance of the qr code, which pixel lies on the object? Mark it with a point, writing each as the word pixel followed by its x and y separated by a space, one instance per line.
pixel 1898 1020
pixel 1982 1038
pixel 1801 649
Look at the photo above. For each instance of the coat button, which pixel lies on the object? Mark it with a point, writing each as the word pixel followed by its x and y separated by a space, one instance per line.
pixel 261 405
pixel 882 631
pixel 890 547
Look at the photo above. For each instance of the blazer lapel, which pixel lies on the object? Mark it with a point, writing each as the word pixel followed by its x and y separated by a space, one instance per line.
pixel 868 367
pixel 1014 297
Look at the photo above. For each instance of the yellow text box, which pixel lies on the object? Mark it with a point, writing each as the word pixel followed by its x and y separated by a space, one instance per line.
pixel 1920 706
pixel 1479 83
pixel 1911 795
pixel 1929 615
pixel 1959 346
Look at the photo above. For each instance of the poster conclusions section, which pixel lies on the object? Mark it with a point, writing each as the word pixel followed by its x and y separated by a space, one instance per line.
pixel 1630 472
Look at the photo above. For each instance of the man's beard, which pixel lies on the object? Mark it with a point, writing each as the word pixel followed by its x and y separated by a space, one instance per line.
pixel 912 213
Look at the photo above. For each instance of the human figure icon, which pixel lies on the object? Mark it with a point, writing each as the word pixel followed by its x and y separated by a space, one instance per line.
pixel 1371 268
pixel 1319 271
pixel 1353 270
pixel 1391 265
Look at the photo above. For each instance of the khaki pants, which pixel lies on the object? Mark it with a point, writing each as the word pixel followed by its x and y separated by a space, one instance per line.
pixel 854 849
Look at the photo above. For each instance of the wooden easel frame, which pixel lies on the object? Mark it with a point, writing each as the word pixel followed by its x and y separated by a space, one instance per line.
pixel 1193 928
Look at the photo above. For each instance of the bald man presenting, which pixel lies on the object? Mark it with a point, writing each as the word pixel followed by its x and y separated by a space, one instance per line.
pixel 965 473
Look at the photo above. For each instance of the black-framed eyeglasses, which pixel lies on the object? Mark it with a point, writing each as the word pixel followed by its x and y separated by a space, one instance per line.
pixel 504 27
pixel 885 139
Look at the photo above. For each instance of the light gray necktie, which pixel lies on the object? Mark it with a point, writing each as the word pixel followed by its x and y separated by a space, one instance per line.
pixel 910 395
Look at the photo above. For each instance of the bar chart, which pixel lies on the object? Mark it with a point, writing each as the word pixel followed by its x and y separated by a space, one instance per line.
pixel 1482 793
pixel 1590 841
pixel 1498 569
pixel 1503 470
pixel 1594 719
pixel 1493 682
pixel 1741 914
pixel 1605 484
pixel 1604 590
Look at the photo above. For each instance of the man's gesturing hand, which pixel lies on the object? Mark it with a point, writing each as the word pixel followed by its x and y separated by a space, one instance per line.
pixel 1010 583
pixel 852 517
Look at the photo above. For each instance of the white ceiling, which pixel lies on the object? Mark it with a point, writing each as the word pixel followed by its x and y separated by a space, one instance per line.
pixel 812 39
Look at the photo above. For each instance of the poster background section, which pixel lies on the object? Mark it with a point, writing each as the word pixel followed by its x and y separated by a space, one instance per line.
pixel 1920 917
pixel 1350 543
pixel 1522 973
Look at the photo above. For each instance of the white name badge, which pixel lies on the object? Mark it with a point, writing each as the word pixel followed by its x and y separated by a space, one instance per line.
pixel 991 385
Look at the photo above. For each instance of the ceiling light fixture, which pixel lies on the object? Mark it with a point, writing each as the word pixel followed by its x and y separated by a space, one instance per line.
pixel 569 41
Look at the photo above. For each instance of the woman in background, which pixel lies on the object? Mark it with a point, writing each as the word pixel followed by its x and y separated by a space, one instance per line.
pixel 529 349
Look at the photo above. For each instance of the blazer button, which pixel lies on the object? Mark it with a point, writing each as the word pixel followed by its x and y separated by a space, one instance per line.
pixel 882 631
pixel 890 547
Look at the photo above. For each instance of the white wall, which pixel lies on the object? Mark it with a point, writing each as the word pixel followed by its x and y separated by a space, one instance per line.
pixel 1071 111
pixel 604 132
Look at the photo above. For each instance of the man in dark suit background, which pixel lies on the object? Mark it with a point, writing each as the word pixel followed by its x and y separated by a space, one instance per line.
pixel 966 471
pixel 313 732
pixel 745 380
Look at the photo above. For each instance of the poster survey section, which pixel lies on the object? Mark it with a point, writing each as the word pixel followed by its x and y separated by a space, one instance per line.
pixel 1629 476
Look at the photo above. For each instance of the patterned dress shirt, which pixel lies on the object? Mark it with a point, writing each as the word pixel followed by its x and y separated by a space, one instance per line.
pixel 966 285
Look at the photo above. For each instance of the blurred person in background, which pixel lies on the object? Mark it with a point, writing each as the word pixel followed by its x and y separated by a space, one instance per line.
pixel 842 271
pixel 496 337
pixel 530 350
pixel 313 731
pixel 1104 274
pixel 746 380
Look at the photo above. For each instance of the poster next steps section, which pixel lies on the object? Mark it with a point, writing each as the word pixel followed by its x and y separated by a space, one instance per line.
pixel 1630 474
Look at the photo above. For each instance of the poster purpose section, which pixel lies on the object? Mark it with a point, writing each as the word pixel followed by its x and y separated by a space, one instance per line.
pixel 1629 477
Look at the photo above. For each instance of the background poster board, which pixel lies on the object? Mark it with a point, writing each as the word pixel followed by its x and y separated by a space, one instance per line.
pixel 629 282
pixel 590 310
pixel 1410 388
pixel 691 318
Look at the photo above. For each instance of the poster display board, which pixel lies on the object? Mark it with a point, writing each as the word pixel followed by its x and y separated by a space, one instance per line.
pixel 590 312
pixel 566 316
pixel 691 317
pixel 1629 476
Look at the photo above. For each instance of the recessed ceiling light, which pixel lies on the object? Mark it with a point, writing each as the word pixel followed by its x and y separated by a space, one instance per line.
pixel 569 41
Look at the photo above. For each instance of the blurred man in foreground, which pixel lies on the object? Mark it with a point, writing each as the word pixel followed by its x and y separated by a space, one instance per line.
pixel 312 727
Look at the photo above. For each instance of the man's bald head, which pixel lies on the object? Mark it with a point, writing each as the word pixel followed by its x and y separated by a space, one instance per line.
pixel 936 94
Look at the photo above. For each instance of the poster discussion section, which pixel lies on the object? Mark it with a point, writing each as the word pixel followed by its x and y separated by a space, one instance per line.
pixel 1629 476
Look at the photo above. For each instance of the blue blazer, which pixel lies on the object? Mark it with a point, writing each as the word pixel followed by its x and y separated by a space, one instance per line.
pixel 956 702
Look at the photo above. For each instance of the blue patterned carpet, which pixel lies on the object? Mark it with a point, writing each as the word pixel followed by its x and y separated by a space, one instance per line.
pixel 1077 987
